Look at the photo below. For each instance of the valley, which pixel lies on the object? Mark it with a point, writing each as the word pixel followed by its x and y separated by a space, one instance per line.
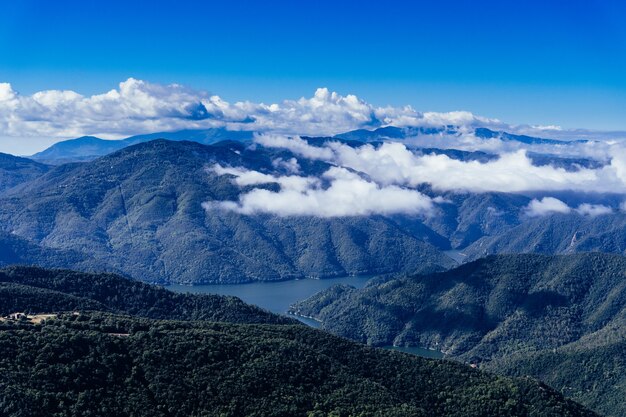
pixel 312 209
pixel 264 223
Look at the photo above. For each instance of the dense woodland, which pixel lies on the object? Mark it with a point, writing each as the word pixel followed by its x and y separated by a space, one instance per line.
pixel 90 363
pixel 96 364
pixel 561 319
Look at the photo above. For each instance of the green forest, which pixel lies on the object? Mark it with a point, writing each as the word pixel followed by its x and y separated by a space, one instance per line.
pixel 127 360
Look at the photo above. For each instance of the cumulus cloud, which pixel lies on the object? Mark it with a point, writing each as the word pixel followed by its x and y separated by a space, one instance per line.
pixel 347 194
pixel 137 106
pixel 296 145
pixel 545 206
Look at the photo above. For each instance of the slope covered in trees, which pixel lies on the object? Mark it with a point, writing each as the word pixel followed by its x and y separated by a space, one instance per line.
pixel 558 318
pixel 15 170
pixel 94 364
pixel 139 211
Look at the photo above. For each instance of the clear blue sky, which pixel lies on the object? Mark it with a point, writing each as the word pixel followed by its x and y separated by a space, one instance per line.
pixel 549 62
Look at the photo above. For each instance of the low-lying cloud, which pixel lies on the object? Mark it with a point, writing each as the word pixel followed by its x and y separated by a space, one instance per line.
pixel 345 194
pixel 393 163
pixel 546 206
pixel 385 178
pixel 550 205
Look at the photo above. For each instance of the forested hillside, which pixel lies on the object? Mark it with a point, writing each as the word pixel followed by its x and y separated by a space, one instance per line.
pixel 219 357
pixel 102 365
pixel 558 318
pixel 140 212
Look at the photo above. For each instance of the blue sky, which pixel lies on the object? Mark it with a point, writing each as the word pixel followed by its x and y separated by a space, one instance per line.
pixel 536 62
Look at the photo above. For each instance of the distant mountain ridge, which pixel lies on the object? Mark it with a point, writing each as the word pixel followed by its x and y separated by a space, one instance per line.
pixel 400 133
pixel 87 148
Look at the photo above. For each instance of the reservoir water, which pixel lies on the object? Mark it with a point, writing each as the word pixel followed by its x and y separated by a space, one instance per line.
pixel 274 296
pixel 424 353
pixel 278 296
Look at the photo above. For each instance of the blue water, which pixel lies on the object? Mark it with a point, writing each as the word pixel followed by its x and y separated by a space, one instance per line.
pixel 274 296
pixel 425 353
pixel 278 296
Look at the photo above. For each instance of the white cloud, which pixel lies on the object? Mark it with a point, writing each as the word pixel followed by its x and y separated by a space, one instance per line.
pixel 545 206
pixel 394 163
pixel 296 145
pixel 383 179
pixel 593 210
pixel 290 165
pixel 141 107
pixel 346 195
pixel 136 106
pixel 551 205
pixel 244 177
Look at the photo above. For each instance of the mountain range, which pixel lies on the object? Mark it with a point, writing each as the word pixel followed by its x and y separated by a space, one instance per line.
pixel 392 132
pixel 90 147
pixel 139 210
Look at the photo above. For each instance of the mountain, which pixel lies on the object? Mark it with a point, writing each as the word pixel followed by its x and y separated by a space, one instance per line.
pixel 392 132
pixel 15 170
pixel 139 212
pixel 87 148
pixel 85 362
pixel 557 233
pixel 400 133
pixel 485 133
pixel 516 314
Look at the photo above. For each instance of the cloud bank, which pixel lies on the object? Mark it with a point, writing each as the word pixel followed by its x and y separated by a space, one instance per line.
pixel 137 106
pixel 393 163
pixel 346 194
pixel 385 178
